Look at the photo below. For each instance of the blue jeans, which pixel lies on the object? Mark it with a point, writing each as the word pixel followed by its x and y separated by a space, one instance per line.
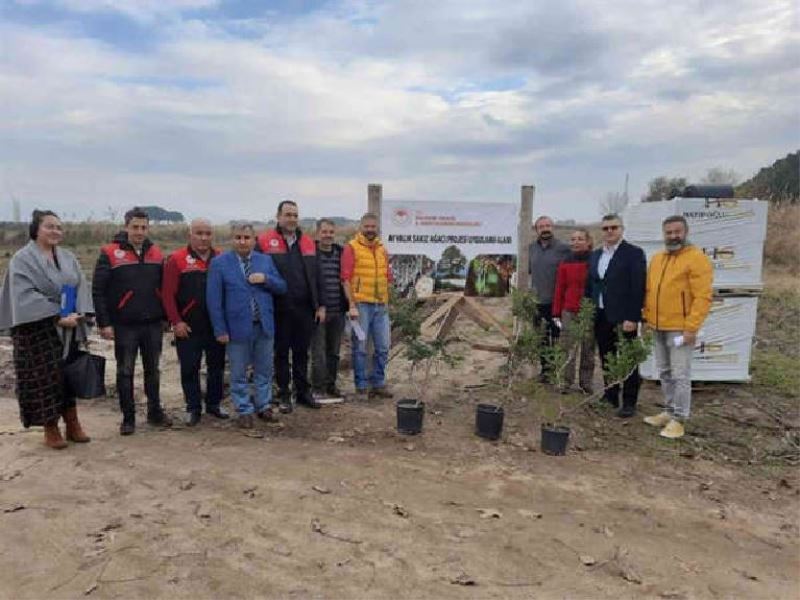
pixel 256 351
pixel 374 320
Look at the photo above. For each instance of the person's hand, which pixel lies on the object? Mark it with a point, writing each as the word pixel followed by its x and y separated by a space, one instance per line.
pixel 689 338
pixel 256 278
pixel 646 327
pixel 629 326
pixel 107 333
pixel 70 321
pixel 353 312
pixel 321 314
pixel 182 330
pixel 223 339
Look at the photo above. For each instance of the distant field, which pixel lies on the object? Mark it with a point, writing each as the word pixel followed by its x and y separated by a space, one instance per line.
pixel 85 239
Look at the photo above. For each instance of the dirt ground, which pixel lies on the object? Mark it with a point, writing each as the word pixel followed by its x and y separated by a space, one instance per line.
pixel 335 504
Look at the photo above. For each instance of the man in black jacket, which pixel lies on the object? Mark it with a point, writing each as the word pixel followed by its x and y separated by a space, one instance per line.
pixel 616 285
pixel 297 311
pixel 328 333
pixel 126 288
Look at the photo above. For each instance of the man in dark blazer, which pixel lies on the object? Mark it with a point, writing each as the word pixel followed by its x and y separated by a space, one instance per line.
pixel 616 285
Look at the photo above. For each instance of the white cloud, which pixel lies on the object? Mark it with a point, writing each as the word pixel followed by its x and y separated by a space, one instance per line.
pixel 438 100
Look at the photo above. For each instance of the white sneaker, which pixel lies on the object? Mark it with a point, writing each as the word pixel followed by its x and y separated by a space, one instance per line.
pixel 673 430
pixel 658 420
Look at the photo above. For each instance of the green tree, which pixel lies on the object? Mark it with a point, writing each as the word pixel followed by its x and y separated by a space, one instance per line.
pixel 778 183
pixel 156 213
pixel 452 262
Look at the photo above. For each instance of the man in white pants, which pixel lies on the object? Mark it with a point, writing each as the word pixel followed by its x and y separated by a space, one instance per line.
pixel 677 302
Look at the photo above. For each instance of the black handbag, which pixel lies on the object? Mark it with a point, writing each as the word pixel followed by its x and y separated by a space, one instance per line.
pixel 85 374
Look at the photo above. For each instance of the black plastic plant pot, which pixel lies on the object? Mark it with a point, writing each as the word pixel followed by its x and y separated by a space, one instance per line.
pixel 555 439
pixel 489 421
pixel 410 414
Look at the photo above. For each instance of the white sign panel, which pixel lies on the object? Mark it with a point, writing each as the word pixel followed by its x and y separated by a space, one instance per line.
pixel 428 228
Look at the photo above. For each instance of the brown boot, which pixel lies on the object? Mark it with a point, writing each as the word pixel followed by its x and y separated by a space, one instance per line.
pixel 52 436
pixel 75 432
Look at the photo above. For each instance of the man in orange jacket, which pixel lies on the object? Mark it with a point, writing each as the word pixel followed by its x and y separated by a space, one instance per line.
pixel 677 302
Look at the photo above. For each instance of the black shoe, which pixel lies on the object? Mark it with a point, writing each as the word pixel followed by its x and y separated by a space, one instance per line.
pixel 127 428
pixel 217 412
pixel 613 402
pixel 627 411
pixel 334 392
pixel 159 419
pixel 285 405
pixel 307 399
pixel 192 418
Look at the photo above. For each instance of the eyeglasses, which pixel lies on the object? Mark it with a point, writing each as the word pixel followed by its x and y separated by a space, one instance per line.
pixel 610 227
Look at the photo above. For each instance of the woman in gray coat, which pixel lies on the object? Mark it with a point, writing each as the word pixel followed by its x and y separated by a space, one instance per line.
pixel 42 278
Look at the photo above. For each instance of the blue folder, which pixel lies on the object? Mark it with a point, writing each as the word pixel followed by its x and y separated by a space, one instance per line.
pixel 69 299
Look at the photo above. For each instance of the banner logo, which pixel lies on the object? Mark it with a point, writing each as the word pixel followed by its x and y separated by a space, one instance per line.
pixel 401 217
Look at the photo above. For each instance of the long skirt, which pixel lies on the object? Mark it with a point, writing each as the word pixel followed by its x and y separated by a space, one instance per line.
pixel 39 370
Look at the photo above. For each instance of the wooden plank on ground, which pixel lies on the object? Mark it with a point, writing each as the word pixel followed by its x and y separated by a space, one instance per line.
pixel 395 351
pixel 490 347
pixel 447 322
pixel 429 326
pixel 484 318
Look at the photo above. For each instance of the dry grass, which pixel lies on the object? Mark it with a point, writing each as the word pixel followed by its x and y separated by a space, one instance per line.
pixel 782 248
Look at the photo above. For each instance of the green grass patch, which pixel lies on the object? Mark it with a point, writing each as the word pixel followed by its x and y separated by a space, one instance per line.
pixel 776 371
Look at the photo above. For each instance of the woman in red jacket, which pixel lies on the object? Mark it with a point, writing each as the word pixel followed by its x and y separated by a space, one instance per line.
pixel 570 286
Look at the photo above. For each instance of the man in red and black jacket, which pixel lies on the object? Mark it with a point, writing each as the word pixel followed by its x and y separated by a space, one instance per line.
pixel 296 312
pixel 184 298
pixel 126 288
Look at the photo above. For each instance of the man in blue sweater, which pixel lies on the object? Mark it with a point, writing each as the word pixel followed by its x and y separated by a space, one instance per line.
pixel 239 293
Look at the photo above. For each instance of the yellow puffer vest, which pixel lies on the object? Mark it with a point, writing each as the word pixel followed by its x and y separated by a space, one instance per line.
pixel 369 283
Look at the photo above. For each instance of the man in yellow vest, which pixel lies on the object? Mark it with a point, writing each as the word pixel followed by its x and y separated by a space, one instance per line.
pixel 366 276
pixel 677 302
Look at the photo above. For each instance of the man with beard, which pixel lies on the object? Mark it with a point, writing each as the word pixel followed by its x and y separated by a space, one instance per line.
pixel 677 302
pixel 296 312
pixel 544 256
pixel 366 276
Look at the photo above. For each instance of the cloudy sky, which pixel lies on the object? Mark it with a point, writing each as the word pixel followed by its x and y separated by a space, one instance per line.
pixel 221 108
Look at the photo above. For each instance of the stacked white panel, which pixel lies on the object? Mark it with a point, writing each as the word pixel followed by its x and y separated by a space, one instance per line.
pixel 723 348
pixel 730 232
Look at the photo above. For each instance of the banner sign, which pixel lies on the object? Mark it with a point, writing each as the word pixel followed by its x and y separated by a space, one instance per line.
pixel 429 228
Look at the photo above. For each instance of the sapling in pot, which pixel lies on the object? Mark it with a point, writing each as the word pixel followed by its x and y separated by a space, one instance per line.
pixel 422 357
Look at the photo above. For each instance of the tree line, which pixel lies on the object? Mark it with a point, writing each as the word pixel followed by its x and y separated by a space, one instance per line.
pixel 779 183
